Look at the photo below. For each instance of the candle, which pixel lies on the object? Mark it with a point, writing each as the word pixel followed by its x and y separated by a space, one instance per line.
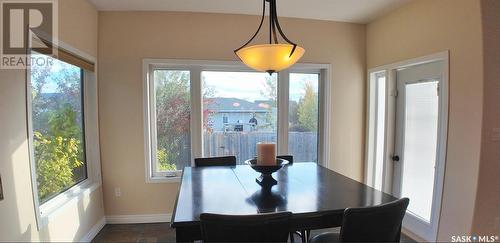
pixel 266 154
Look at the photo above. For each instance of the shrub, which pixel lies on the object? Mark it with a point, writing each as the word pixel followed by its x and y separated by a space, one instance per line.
pixel 162 158
pixel 58 153
pixel 56 157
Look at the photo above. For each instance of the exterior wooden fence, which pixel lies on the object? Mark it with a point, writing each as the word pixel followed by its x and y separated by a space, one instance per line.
pixel 302 145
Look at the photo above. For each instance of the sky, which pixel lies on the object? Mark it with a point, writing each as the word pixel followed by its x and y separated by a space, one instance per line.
pixel 297 83
pixel 249 85
pixel 243 85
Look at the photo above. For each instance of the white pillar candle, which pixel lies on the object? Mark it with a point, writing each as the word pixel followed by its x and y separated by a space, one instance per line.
pixel 266 154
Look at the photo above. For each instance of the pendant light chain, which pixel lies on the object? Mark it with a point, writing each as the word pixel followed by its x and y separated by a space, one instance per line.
pixel 258 29
pixel 273 25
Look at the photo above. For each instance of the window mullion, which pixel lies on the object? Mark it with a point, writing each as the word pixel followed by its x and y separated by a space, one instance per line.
pixel 283 102
pixel 324 103
pixel 153 131
pixel 196 114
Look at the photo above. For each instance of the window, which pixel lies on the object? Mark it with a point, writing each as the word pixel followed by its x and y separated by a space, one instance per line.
pixel 376 129
pixel 209 108
pixel 303 116
pixel 421 126
pixel 63 129
pixel 57 127
pixel 239 110
pixel 172 120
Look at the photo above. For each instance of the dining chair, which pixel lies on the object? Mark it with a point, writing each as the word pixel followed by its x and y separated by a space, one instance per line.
pixel 215 161
pixel 302 234
pixel 268 227
pixel 286 157
pixel 370 224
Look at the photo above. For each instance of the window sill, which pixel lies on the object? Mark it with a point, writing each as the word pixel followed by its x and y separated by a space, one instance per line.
pixel 175 179
pixel 50 209
pixel 164 177
pixel 161 179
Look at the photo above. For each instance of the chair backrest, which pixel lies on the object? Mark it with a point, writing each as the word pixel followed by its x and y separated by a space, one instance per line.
pixel 374 224
pixel 286 157
pixel 215 161
pixel 271 227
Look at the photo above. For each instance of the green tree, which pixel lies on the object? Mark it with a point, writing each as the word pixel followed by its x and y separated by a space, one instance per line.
pixel 271 93
pixel 58 153
pixel 172 115
pixel 292 114
pixel 164 163
pixel 307 109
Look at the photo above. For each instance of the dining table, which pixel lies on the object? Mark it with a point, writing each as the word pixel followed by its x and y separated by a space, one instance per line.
pixel 316 196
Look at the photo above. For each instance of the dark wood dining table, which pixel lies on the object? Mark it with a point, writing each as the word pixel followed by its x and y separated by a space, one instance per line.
pixel 315 195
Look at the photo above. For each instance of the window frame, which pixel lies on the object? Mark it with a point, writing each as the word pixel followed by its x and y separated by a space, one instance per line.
pixel 372 123
pixel 196 67
pixel 45 211
pixel 390 136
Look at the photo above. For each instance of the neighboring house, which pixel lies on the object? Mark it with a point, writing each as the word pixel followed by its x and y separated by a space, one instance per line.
pixel 233 114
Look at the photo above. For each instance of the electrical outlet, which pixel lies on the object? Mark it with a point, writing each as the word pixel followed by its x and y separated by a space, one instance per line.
pixel 118 192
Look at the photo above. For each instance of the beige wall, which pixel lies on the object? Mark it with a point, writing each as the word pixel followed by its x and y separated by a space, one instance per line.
pixel 125 38
pixel 78 28
pixel 424 27
pixel 487 212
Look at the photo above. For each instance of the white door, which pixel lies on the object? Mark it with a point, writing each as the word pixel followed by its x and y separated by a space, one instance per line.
pixel 420 135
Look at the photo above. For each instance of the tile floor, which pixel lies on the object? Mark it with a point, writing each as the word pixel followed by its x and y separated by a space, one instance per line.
pixel 160 232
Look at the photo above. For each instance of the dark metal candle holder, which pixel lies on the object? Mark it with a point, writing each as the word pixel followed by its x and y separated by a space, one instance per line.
pixel 266 171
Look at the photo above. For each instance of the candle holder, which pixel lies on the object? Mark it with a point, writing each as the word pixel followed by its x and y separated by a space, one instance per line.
pixel 266 171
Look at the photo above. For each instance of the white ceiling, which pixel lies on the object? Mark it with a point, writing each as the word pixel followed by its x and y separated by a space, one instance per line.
pixel 354 11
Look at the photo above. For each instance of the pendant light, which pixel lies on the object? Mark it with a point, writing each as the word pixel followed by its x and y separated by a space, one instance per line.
pixel 272 57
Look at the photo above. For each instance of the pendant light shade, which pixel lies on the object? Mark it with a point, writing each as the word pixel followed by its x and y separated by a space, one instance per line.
pixel 272 57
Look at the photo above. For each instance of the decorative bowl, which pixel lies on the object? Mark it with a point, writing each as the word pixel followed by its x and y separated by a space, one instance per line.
pixel 266 171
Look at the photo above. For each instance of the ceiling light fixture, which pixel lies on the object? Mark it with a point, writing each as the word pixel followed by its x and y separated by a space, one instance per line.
pixel 272 57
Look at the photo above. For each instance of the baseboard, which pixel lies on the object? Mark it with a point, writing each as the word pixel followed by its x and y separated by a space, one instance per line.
pixel 94 231
pixel 138 218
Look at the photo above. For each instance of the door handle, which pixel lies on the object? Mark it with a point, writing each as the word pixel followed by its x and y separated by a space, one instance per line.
pixel 395 158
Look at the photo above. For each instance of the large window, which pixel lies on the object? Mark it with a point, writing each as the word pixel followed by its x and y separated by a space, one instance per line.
pixel 172 120
pixel 240 110
pixel 206 109
pixel 57 127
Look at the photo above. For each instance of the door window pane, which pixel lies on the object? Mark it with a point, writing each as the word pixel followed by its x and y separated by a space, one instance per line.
pixel 239 111
pixel 420 146
pixel 58 130
pixel 173 116
pixel 303 117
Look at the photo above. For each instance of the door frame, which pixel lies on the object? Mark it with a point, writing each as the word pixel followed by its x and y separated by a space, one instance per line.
pixel 428 233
